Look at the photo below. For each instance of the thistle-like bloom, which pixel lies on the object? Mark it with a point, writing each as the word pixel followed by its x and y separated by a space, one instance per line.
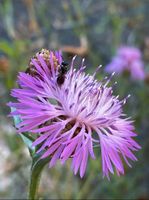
pixel 127 59
pixel 71 118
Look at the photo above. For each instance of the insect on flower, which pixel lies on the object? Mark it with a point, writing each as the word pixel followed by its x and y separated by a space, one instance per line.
pixel 62 72
pixel 70 120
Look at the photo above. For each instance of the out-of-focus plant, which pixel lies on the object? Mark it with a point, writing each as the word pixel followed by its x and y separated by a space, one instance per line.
pixel 14 53
pixel 128 59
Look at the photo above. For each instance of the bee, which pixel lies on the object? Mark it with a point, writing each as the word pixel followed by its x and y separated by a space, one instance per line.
pixel 62 72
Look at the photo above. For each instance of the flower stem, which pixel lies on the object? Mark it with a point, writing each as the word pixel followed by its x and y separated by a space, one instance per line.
pixel 34 184
pixel 36 171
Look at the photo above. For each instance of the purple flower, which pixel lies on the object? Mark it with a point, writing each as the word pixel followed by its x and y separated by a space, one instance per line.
pixel 127 59
pixel 71 118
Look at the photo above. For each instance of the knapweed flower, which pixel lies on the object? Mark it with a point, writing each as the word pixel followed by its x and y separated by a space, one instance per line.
pixel 127 59
pixel 69 119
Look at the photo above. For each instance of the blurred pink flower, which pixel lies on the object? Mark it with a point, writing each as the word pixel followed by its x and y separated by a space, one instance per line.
pixel 127 59
pixel 69 119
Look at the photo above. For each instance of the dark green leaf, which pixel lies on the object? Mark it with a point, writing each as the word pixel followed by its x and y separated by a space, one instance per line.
pixel 27 139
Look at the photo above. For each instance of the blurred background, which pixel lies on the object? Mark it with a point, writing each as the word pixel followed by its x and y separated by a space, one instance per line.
pixel 93 29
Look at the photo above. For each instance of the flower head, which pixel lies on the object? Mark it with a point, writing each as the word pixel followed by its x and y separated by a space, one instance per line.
pixel 127 59
pixel 69 119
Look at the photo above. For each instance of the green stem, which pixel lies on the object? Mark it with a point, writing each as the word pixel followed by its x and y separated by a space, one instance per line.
pixel 34 183
pixel 33 188
pixel 36 171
